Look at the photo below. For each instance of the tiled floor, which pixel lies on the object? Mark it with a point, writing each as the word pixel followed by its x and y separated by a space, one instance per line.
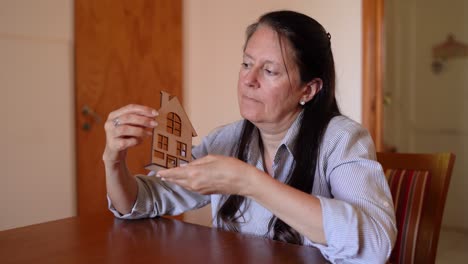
pixel 453 247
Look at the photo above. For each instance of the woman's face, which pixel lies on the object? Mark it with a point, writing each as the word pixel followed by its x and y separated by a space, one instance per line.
pixel 269 88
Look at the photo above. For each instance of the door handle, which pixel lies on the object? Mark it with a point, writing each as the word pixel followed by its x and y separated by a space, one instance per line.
pixel 91 116
pixel 387 99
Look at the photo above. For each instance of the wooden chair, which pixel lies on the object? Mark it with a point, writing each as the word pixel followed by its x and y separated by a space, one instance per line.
pixel 419 184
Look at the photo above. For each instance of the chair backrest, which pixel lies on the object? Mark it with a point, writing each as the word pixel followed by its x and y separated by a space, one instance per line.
pixel 419 184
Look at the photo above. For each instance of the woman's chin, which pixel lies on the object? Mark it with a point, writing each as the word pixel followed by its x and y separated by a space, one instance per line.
pixel 253 117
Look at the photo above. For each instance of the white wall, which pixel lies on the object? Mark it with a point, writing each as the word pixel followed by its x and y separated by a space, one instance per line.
pixel 429 111
pixel 214 36
pixel 37 180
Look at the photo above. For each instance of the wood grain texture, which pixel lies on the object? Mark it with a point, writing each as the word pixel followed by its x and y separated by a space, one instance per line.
pixel 126 52
pixel 372 71
pixel 104 239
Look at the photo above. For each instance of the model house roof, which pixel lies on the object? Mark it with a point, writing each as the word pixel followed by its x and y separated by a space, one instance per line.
pixel 168 101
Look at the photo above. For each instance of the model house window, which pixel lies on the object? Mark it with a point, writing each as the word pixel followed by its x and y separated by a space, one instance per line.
pixel 173 124
pixel 181 149
pixel 159 154
pixel 162 142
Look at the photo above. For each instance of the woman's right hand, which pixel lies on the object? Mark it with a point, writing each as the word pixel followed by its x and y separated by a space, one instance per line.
pixel 127 127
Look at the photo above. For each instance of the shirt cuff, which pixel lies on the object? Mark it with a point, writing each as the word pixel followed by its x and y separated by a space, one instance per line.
pixel 341 227
pixel 136 212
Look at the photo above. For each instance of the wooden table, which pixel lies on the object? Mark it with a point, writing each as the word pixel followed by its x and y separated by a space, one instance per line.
pixel 104 239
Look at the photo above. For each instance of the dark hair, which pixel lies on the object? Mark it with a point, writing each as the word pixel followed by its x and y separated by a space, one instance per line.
pixel 311 49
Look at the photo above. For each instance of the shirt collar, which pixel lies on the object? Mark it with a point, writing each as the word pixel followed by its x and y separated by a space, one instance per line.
pixel 254 147
pixel 289 140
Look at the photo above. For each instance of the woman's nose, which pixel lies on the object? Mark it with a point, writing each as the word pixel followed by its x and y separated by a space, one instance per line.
pixel 251 78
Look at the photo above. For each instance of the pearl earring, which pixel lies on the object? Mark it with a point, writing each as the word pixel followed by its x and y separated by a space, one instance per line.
pixel 302 102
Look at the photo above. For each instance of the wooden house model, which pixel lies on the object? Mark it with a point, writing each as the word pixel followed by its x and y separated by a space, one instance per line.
pixel 172 138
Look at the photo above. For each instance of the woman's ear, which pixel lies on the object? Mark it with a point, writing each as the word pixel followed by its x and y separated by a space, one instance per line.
pixel 310 90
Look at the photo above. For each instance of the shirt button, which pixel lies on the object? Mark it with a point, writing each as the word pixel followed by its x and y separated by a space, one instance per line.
pixel 386 204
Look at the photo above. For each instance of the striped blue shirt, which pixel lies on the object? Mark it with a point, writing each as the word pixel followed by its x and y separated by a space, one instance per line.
pixel 357 208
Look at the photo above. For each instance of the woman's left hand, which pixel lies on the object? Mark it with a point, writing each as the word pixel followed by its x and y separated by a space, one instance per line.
pixel 213 174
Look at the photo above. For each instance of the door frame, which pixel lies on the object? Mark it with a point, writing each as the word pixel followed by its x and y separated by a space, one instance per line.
pixel 373 68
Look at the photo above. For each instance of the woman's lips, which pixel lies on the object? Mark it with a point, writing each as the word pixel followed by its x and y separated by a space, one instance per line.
pixel 250 99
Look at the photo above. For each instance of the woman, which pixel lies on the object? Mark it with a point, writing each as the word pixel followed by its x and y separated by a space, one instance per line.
pixel 294 169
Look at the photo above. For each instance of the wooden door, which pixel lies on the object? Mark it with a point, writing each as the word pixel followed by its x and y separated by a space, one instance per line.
pixel 126 52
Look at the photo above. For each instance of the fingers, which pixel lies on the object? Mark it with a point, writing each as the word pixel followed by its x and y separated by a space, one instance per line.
pixel 204 160
pixel 174 173
pixel 128 126
pixel 186 178
pixel 124 137
pixel 133 120
pixel 210 174
pixel 132 127
pixel 196 169
pixel 182 182
pixel 136 115
pixel 121 144
pixel 134 109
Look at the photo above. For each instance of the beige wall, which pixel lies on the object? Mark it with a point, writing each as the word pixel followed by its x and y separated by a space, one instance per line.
pixel 214 35
pixel 36 135
pixel 36 66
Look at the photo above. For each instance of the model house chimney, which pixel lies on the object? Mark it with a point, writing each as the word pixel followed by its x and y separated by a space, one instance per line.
pixel 164 98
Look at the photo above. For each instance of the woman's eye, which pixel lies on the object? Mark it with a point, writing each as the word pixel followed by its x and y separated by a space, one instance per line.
pixel 245 65
pixel 270 72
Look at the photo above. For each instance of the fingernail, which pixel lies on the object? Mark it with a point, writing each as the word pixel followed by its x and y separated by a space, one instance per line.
pixel 149 133
pixel 183 164
pixel 163 179
pixel 153 123
pixel 157 175
pixel 154 112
